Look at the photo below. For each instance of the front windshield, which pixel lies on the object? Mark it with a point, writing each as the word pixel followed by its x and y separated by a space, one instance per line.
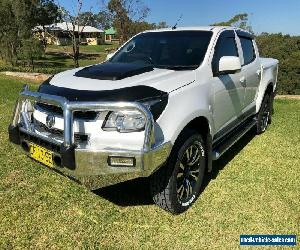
pixel 169 49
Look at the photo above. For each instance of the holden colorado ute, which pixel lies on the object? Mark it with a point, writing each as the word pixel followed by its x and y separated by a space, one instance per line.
pixel 165 105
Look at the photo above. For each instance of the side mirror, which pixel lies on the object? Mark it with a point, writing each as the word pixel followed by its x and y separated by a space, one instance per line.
pixel 229 65
pixel 110 55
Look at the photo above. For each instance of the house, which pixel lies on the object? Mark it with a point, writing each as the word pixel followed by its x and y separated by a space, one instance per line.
pixel 111 36
pixel 59 34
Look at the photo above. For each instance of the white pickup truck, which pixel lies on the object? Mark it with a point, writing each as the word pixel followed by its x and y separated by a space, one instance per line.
pixel 164 106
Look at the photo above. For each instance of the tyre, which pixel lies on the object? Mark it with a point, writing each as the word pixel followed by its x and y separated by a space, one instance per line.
pixel 176 185
pixel 264 115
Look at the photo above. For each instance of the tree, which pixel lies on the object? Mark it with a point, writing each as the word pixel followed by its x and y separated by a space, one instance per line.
pixel 101 20
pixel 125 13
pixel 104 20
pixel 16 19
pixel 76 23
pixel 239 21
pixel 89 18
pixel 47 12
pixel 162 25
pixel 30 50
pixel 137 27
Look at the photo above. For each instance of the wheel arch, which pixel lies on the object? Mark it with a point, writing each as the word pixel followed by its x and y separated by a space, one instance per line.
pixel 269 89
pixel 201 125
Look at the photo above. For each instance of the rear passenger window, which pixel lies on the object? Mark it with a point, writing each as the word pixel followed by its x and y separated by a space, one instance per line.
pixel 248 50
pixel 226 46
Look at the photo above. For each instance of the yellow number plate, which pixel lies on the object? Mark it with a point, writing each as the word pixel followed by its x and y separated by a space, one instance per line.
pixel 41 154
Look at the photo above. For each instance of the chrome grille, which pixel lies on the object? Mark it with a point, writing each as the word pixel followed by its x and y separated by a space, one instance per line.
pixel 57 133
pixel 83 115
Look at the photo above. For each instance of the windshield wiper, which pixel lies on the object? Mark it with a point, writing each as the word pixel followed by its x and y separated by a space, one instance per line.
pixel 177 67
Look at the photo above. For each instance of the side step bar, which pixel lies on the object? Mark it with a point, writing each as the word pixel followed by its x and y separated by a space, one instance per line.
pixel 230 139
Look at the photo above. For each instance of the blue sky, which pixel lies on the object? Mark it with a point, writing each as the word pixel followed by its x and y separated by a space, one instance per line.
pixel 265 15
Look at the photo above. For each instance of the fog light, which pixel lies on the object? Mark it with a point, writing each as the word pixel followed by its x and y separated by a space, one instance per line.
pixel 120 161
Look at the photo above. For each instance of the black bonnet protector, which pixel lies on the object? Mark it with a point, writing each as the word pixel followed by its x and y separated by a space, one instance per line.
pixel 129 94
pixel 113 71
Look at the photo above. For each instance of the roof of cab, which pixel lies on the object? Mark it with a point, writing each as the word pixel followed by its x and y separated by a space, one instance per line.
pixel 196 28
pixel 204 28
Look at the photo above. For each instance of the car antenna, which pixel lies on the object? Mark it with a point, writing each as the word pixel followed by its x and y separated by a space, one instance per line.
pixel 175 26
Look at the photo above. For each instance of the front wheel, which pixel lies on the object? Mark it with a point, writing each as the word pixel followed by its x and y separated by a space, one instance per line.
pixel 176 185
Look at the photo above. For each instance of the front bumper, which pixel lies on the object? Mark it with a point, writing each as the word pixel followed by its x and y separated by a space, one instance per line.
pixel 88 166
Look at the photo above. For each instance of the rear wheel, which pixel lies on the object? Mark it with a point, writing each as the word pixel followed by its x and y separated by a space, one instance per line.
pixel 176 185
pixel 264 115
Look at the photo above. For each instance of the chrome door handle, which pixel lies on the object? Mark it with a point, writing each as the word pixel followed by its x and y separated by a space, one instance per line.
pixel 243 79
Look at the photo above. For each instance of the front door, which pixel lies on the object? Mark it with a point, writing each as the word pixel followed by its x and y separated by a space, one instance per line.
pixel 229 90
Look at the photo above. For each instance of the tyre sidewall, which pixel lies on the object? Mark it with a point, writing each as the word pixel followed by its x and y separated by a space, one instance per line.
pixel 177 156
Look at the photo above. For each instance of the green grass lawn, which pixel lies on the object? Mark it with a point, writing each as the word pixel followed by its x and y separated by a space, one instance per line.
pixel 84 49
pixel 56 59
pixel 254 189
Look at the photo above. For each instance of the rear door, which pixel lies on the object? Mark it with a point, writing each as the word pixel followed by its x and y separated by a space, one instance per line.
pixel 229 92
pixel 250 68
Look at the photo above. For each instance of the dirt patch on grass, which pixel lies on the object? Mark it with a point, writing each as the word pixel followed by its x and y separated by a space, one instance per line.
pixel 29 76
pixel 294 97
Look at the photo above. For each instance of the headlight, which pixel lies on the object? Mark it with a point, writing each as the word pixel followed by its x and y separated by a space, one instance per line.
pixel 125 121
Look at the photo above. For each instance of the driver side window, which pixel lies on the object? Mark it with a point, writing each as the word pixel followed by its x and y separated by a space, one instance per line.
pixel 226 46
